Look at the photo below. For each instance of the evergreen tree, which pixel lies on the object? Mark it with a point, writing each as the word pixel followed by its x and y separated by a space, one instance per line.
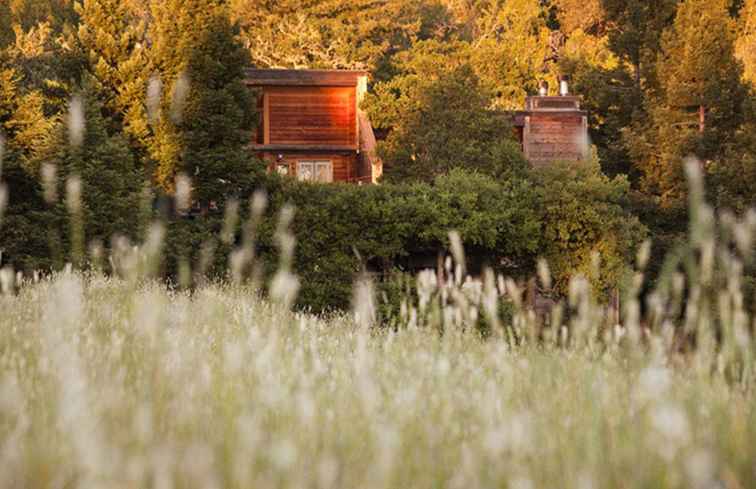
pixel 451 126
pixel 22 126
pixel 732 176
pixel 111 181
pixel 218 118
pixel 23 242
pixel 635 28
pixel 207 113
pixel 112 39
pixel 700 101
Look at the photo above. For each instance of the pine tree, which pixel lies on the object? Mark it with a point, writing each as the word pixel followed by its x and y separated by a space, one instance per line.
pixel 23 125
pixel 700 102
pixel 635 28
pixel 218 117
pixel 112 39
pixel 22 244
pixel 111 180
pixel 206 113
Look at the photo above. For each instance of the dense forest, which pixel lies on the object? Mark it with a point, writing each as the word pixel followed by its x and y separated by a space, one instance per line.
pixel 106 104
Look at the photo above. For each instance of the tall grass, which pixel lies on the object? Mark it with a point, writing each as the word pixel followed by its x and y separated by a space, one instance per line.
pixel 120 381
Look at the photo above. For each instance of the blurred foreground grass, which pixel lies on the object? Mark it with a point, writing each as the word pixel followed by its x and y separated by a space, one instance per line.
pixel 107 385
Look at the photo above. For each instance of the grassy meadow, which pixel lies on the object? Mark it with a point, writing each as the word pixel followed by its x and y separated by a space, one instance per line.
pixel 119 381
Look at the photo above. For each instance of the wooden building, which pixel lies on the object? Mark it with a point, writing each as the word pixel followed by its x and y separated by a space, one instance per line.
pixel 311 126
pixel 553 128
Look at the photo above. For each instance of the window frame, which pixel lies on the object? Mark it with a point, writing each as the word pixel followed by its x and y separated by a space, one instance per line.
pixel 315 163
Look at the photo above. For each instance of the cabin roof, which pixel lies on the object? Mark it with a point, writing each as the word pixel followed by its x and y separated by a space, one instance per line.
pixel 323 78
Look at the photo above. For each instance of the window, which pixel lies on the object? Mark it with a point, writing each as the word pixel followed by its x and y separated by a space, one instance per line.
pixel 315 170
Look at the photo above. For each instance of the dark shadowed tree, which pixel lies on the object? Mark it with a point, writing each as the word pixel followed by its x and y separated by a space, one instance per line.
pixel 206 114
pixel 635 28
pixel 451 125
pixel 111 182
pixel 218 117
pixel 700 103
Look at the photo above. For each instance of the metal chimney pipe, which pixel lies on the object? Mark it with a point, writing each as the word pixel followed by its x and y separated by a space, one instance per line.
pixel 543 90
pixel 564 88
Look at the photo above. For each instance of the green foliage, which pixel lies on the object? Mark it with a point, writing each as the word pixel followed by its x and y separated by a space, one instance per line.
pixel 710 75
pixel 111 183
pixel 635 31
pixel 341 229
pixel 23 240
pixel 584 220
pixel 733 174
pixel 511 49
pixel 609 96
pixel 440 70
pixel 218 117
pixel 493 216
pixel 567 215
pixel 426 63
pixel 203 127
pixel 113 40
pixel 174 32
pixel 707 79
pixel 448 124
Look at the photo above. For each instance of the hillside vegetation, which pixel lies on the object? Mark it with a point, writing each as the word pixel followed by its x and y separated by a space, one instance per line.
pixel 139 100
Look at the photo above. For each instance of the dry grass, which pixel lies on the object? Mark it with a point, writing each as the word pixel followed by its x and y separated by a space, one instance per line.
pixel 124 383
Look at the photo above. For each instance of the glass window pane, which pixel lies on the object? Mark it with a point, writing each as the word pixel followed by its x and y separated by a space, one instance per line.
pixel 305 170
pixel 324 173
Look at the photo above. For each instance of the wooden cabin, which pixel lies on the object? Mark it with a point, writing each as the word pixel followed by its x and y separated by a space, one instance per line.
pixel 311 126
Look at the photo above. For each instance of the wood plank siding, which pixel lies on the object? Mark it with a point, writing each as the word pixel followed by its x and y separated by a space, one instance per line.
pixel 552 129
pixel 312 115
pixel 311 119
pixel 554 137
